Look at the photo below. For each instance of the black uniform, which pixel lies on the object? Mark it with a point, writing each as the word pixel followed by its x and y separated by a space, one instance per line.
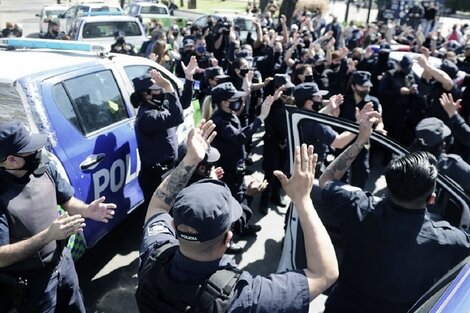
pixel 360 167
pixel 28 205
pixel 392 255
pixel 230 141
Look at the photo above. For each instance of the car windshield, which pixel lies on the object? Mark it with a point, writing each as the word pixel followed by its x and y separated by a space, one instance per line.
pixel 153 10
pixel 105 9
pixel 243 24
pixel 107 29
pixel 53 13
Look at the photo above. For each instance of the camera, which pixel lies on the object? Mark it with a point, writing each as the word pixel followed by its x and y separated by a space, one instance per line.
pixel 223 26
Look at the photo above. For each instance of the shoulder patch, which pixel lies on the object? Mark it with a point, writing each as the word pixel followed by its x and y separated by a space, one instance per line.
pixel 157 228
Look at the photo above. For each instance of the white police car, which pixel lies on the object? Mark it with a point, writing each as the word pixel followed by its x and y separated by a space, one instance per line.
pixel 81 101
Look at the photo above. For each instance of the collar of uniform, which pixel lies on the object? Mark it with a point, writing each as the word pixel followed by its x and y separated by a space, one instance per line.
pixel 186 270
pixel 401 209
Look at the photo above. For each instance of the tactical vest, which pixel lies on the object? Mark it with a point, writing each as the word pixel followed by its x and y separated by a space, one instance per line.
pixel 30 208
pixel 158 292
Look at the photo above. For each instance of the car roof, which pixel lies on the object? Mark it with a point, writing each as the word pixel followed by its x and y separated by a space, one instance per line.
pixel 29 62
pixel 150 4
pixel 105 18
pixel 99 5
pixel 55 7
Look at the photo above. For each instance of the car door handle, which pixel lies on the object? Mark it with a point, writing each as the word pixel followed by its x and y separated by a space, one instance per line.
pixel 91 161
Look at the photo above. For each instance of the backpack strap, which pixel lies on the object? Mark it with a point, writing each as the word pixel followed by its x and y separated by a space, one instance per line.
pixel 219 286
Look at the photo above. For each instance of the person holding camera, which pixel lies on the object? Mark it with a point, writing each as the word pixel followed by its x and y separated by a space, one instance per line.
pixel 121 46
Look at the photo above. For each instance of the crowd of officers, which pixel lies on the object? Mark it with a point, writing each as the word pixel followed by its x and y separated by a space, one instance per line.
pixel 198 196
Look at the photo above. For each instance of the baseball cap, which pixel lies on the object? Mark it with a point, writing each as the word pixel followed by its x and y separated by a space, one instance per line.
pixel 431 131
pixel 15 139
pixel 225 91
pixel 361 78
pixel 406 63
pixel 211 72
pixel 282 79
pixel 145 82
pixel 306 91
pixel 208 207
pixel 188 41
pixel 450 68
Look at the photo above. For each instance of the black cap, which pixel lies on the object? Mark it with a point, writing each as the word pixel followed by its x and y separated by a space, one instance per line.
pixel 119 34
pixel 144 83
pixel 282 79
pixel 450 68
pixel 188 41
pixel 306 91
pixel 406 63
pixel 208 207
pixel 361 78
pixel 225 91
pixel 431 131
pixel 15 139
pixel 211 72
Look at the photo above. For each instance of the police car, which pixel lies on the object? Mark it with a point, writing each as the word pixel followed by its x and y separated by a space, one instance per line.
pixel 148 11
pixel 80 99
pixel 102 29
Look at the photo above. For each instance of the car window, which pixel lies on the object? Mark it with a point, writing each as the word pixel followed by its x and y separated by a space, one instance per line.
pixel 202 22
pixel 65 105
pixel 153 10
pixel 82 10
pixel 106 9
pixel 243 24
pixel 97 100
pixel 70 12
pixel 11 105
pixel 108 28
pixel 53 13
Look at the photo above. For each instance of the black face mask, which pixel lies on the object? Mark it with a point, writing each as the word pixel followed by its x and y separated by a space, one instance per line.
pixel 235 106
pixel 334 66
pixel 287 92
pixel 319 68
pixel 243 72
pixel 158 99
pixel 120 41
pixel 55 32
pixel 307 43
pixel 308 79
pixel 31 162
pixel 362 93
pixel 317 105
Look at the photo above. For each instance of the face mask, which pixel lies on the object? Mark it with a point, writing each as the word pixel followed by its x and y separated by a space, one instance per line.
pixel 158 99
pixel 308 78
pixel 210 24
pixel 201 49
pixel 334 66
pixel 235 106
pixel 287 92
pixel 31 162
pixel 320 68
pixel 175 34
pixel 317 105
pixel 306 43
pixel 55 32
pixel 243 72
pixel 362 93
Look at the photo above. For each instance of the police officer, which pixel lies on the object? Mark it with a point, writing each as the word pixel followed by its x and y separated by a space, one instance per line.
pixel 307 96
pixel 160 111
pixel 121 46
pixel 232 136
pixel 37 272
pixel 395 250
pixel 182 261
pixel 275 143
pixel 431 134
pixel 360 87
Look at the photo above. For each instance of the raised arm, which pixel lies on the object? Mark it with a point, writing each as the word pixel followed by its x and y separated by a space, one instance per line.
pixel 197 145
pixel 342 163
pixel 322 266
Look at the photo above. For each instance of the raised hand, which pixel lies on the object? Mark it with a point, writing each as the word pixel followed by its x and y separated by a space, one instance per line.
pixel 199 140
pixel 299 185
pixel 100 211
pixel 449 105
pixel 266 107
pixel 255 187
pixel 161 81
pixel 64 226
pixel 366 122
pixel 191 68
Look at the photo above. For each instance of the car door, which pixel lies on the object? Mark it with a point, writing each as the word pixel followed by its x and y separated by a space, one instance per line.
pixel 452 203
pixel 96 142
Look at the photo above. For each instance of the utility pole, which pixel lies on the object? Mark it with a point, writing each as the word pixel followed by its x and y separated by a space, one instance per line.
pixel 368 11
pixel 347 11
